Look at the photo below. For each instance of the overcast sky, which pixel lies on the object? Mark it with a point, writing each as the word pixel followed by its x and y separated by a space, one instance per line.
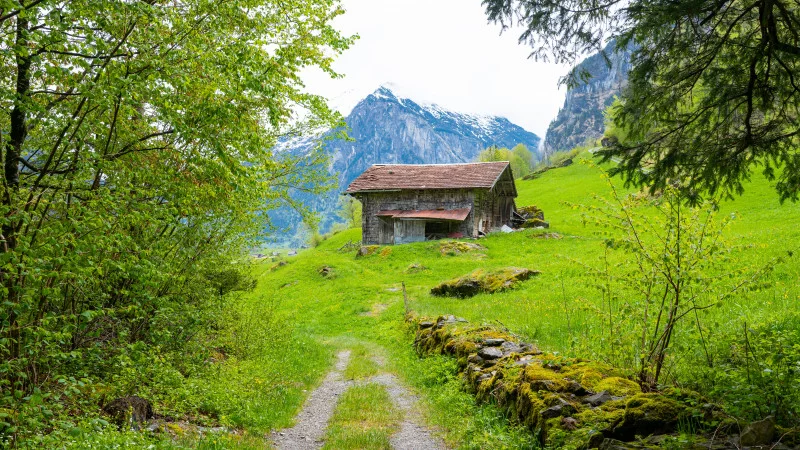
pixel 444 52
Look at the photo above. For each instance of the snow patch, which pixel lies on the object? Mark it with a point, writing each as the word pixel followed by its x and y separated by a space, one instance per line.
pixel 483 124
pixel 302 142
pixel 391 90
pixel 400 92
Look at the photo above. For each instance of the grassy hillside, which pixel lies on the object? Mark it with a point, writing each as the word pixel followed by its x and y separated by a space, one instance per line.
pixel 360 300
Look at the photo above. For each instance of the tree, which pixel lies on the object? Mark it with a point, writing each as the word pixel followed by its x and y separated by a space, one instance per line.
pixel 713 92
pixel 520 158
pixel 525 156
pixel 136 143
pixel 350 211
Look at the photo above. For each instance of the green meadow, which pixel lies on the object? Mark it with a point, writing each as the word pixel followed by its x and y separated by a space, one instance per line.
pixel 297 318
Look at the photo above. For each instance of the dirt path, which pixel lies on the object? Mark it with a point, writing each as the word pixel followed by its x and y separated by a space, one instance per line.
pixel 309 430
pixel 412 435
pixel 312 421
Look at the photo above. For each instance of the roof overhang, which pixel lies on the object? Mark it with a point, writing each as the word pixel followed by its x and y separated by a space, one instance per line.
pixel 456 215
pixel 370 191
pixel 513 184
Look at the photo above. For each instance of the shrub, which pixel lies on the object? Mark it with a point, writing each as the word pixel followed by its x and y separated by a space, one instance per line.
pixel 675 264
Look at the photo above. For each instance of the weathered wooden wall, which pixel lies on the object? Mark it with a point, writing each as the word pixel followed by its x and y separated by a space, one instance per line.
pixel 493 207
pixel 376 230
pixel 490 209
pixel 406 231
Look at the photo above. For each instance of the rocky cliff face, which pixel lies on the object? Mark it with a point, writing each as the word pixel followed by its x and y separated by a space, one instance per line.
pixel 581 117
pixel 389 129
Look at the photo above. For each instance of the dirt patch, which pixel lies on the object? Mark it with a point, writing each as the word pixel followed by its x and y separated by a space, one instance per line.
pixel 546 236
pixel 377 310
pixel 412 434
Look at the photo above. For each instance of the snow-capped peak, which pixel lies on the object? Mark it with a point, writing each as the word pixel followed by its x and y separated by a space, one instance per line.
pixel 396 90
pixel 391 91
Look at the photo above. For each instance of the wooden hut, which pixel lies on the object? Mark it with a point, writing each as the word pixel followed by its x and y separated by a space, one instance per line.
pixel 416 202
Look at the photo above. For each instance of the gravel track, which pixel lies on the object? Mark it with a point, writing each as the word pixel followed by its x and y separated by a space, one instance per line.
pixel 312 421
pixel 412 435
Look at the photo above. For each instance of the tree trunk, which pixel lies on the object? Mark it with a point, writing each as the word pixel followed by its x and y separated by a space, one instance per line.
pixel 13 150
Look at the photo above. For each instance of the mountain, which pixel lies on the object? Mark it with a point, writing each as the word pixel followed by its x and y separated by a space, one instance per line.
pixel 581 117
pixel 388 128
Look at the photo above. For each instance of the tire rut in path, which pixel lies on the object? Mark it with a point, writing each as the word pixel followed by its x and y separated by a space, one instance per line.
pixel 312 421
pixel 412 435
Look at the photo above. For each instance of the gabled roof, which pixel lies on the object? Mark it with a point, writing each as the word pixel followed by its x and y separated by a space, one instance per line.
pixel 396 177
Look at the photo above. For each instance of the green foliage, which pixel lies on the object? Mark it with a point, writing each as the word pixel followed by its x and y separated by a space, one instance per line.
pixel 615 131
pixel 350 211
pixel 712 93
pixel 520 158
pixel 757 372
pixel 360 365
pixel 230 280
pixel 137 139
pixel 316 238
pixel 678 263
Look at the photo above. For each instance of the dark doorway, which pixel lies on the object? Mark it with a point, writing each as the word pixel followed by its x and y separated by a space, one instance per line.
pixel 437 230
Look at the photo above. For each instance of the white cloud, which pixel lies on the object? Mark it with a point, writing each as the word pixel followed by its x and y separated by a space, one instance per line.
pixel 444 52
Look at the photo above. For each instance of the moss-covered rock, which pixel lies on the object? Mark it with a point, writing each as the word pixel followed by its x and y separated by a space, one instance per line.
pixel 535 223
pixel 550 394
pixel 453 248
pixel 646 414
pixel 415 268
pixel 481 281
pixel 591 374
pixel 531 212
pixel 618 386
pixel 327 272
pixel 367 250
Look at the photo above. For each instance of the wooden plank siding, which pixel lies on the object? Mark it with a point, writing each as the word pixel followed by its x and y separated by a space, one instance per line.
pixel 491 208
pixel 406 231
